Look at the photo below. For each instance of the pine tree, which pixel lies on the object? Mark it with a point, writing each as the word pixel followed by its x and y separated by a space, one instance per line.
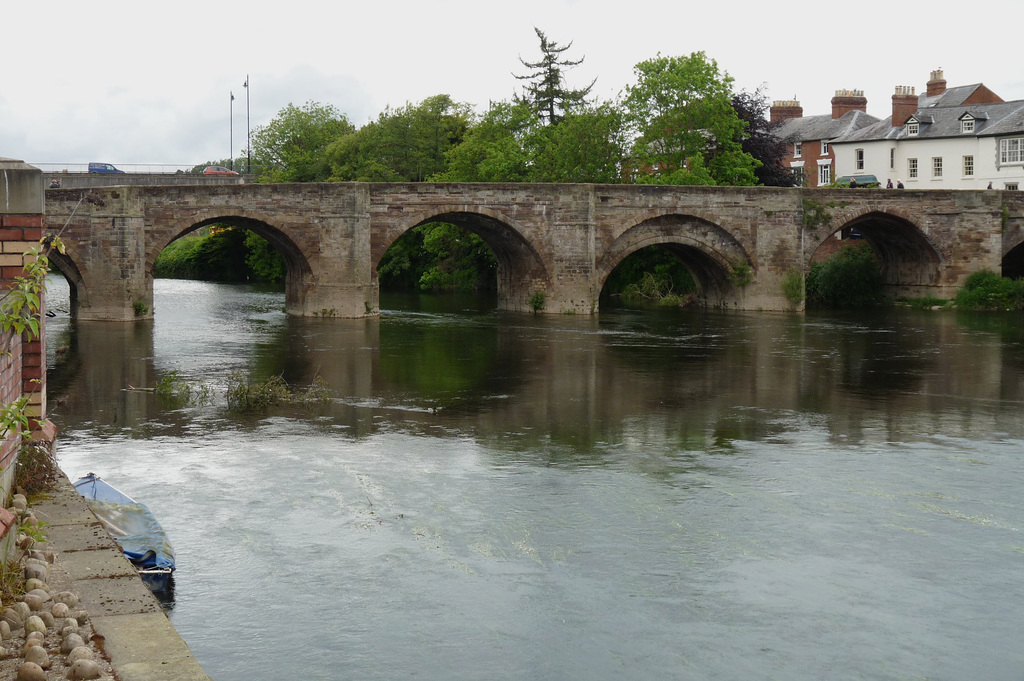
pixel 546 91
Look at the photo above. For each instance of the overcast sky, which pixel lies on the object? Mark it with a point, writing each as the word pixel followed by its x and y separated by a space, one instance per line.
pixel 143 82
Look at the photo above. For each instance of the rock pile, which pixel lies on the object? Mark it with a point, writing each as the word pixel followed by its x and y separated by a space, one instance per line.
pixel 45 635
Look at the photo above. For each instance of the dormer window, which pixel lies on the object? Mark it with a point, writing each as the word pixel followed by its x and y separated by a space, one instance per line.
pixel 967 123
pixel 913 127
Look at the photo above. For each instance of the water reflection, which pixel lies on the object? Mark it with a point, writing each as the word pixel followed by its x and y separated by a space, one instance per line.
pixel 639 495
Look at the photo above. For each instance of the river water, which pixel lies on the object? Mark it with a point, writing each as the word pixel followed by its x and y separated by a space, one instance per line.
pixel 643 495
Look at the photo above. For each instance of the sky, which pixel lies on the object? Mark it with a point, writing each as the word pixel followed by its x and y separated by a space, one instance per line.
pixel 150 83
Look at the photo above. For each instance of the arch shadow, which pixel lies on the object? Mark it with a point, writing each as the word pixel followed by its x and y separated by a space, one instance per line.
pixel 521 269
pixel 299 275
pixel 708 252
pixel 911 262
pixel 1013 262
pixel 79 293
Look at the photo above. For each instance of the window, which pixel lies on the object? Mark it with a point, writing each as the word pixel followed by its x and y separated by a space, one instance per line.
pixel 968 166
pixel 824 174
pixel 892 159
pixel 824 148
pixel 1011 150
pixel 936 166
pixel 798 176
pixel 797 149
pixel 912 168
pixel 913 127
pixel 860 159
pixel 1011 186
pixel 967 125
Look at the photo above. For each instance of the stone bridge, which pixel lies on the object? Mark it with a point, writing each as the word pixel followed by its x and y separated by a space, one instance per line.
pixel 559 240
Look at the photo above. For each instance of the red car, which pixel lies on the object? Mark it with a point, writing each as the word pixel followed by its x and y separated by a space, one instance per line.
pixel 218 170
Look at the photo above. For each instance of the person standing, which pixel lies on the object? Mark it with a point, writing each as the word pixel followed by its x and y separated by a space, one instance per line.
pixel 899 184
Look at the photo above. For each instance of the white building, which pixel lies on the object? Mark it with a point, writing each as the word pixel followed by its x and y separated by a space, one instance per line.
pixel 957 138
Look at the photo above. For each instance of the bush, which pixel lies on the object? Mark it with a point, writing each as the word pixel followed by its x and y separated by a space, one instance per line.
pixel 37 470
pixel 793 285
pixel 986 290
pixel 851 278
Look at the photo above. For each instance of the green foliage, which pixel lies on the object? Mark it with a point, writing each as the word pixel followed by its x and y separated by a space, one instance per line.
pixel 925 303
pixel 263 260
pixel 495 149
pixel 20 313
pixel 247 397
pixel 536 300
pixel 986 290
pixel 510 144
pixel 648 273
pixel 172 389
pixel 683 124
pixel 851 278
pixel 37 470
pixel 793 285
pixel 403 145
pixel 740 275
pixel 233 254
pixel 291 148
pixel 140 308
pixel 815 215
pixel 545 90
pixel 462 261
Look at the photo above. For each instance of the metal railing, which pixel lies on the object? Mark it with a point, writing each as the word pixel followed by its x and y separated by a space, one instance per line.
pixel 144 168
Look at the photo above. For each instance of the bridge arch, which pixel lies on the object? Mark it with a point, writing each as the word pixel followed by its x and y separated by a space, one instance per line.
pixel 911 260
pixel 79 292
pixel 299 271
pixel 707 250
pixel 1013 262
pixel 521 270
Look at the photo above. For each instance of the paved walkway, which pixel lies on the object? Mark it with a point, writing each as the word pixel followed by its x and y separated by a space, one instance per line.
pixel 137 636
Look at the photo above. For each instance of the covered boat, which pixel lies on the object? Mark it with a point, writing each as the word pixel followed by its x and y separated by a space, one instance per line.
pixel 133 527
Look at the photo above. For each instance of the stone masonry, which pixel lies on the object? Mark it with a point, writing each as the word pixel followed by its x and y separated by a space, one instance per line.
pixel 559 240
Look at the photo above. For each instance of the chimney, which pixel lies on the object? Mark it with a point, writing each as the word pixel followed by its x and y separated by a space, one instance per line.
pixel 904 104
pixel 784 109
pixel 848 100
pixel 936 84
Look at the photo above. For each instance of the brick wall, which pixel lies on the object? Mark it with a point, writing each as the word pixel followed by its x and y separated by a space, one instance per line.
pixel 22 360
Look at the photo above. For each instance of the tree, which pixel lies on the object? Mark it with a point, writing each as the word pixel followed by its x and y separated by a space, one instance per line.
pixel 586 146
pixel 684 128
pixel 403 145
pixel 291 147
pixel 495 149
pixel 545 90
pixel 759 139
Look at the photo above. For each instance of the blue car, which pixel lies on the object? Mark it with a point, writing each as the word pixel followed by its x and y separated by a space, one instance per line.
pixel 103 168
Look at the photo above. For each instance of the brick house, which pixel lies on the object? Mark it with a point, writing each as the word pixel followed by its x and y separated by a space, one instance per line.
pixel 946 138
pixel 809 137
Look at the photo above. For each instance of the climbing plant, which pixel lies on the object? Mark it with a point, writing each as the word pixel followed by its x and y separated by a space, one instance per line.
pixel 20 313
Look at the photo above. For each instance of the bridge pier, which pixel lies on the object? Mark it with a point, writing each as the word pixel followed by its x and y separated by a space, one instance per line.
pixel 555 245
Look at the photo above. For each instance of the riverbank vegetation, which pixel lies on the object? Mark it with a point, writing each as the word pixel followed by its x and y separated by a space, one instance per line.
pixel 986 290
pixel 850 278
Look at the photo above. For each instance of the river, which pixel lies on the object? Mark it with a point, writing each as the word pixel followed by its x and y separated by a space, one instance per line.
pixel 639 495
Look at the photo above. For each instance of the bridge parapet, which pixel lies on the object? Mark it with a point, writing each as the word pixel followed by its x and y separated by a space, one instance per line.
pixel 561 241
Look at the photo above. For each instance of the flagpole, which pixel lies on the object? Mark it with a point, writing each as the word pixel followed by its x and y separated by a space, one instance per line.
pixel 248 140
pixel 231 133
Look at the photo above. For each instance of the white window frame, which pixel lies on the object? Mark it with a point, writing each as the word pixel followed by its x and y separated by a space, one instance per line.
pixel 824 173
pixel 1011 151
pixel 911 168
pixel 913 127
pixel 798 149
pixel 936 167
pixel 1011 186
pixel 968 166
pixel 967 124
pixel 860 158
pixel 824 147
